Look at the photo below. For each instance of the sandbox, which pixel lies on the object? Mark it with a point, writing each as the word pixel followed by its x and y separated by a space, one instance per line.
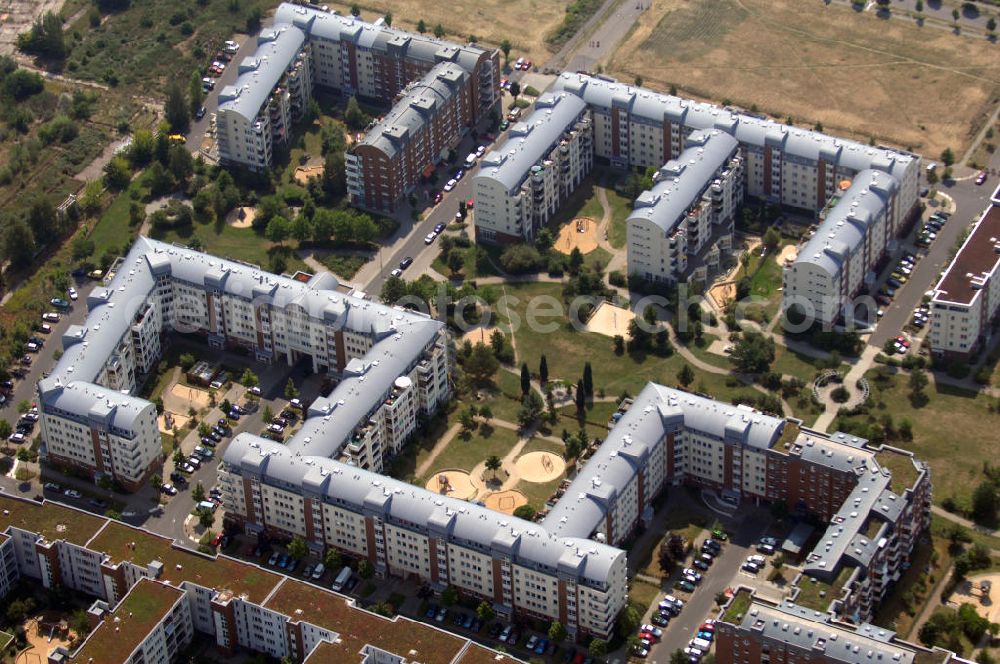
pixel 177 421
pixel 610 320
pixel 723 293
pixel 241 217
pixel 478 334
pixel 194 397
pixel 970 591
pixel 787 255
pixel 303 173
pixel 539 467
pixel 581 233
pixel 452 482
pixel 505 501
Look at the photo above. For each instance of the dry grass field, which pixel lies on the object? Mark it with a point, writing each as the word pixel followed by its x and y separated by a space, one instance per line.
pixel 922 88
pixel 524 22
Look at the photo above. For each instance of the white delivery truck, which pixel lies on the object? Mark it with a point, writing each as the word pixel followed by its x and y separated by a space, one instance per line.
pixel 342 578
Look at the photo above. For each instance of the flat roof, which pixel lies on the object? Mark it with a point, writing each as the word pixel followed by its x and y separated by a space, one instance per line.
pixel 51 520
pixel 975 262
pixel 356 628
pixel 124 543
pixel 124 629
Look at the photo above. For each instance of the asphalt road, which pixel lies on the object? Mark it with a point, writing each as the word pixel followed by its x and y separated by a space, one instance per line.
pixel 248 44
pixel 42 361
pixel 722 575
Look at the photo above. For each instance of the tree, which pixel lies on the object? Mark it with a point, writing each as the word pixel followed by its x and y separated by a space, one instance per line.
pixel 456 261
pixel 753 353
pixel 514 89
pixel 505 47
pixel 486 413
pixel 955 14
pixel 297 548
pixel 195 92
pixel 290 390
pixel 948 157
pixel 919 6
pixel 485 612
pixel 5 429
pixel 526 512
pixel 531 408
pixel 985 503
pixel 117 174
pixel 393 289
pixel 588 380
pixel 619 344
pixel 176 109
pixel 629 620
pixel 354 117
pixel 355 10
pixel 156 482
pixel 678 657
pixel 557 632
pixel 206 518
pixel 481 363
pixel 467 420
pixel 449 596
pixel 439 31
pixel 772 238
pixel 525 379
pixel 543 370
pixel 598 648
pixel 366 570
pixel 198 493
pixel 249 379
pixel 19 243
pixel 421 26
pixel 387 19
pixel 991 24
pixel 278 230
pixel 268 414
pixel 44 38
pixel 493 464
pixel 685 376
pixel 332 558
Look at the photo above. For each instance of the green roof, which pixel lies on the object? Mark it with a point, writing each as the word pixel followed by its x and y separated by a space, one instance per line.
pixel 904 472
pixel 130 624
pixel 788 435
pixel 124 543
pixel 738 606
pixel 50 520
pixel 817 595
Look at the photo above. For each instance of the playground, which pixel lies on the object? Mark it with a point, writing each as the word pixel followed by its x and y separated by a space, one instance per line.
pixel 505 501
pixel 304 173
pixel 539 467
pixel 44 633
pixel 478 334
pixel 787 256
pixel 183 397
pixel 977 591
pixel 610 320
pixel 241 217
pixel 581 233
pixel 723 293
pixel 169 421
pixel 454 483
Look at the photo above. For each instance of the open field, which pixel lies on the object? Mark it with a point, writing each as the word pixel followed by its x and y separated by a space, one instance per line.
pixel 956 461
pixel 926 89
pixel 239 243
pixel 524 22
pixel 467 454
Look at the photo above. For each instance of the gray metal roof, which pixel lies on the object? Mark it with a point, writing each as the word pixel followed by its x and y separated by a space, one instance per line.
pixel 382 38
pixel 531 140
pixel 814 632
pixel 682 181
pixel 421 101
pixel 260 72
pixel 656 411
pixel 844 229
pixel 363 491
pixel 751 130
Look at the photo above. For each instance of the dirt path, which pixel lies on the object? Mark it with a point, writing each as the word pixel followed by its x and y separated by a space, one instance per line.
pixel 437 449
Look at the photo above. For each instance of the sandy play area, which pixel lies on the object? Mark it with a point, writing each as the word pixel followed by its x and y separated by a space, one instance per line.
pixel 581 233
pixel 787 255
pixel 723 293
pixel 241 217
pixel 970 592
pixel 478 335
pixel 454 483
pixel 610 320
pixel 38 636
pixel 505 501
pixel 176 422
pixel 194 397
pixel 303 173
pixel 539 466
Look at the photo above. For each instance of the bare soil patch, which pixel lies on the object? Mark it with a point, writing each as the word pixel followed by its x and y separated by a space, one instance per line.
pixel 539 467
pixel 241 217
pixel 858 75
pixel 610 320
pixel 505 501
pixel 581 233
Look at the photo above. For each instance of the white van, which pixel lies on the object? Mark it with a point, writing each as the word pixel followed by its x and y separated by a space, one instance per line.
pixel 318 571
pixel 342 578
pixel 701 644
pixel 470 161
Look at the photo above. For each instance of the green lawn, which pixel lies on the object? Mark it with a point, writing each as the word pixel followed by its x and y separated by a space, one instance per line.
pixel 621 208
pixel 787 361
pixel 538 493
pixel 344 266
pixel 242 244
pixel 542 445
pixel 908 595
pixel 466 454
pixel 112 231
pixel 644 594
pixel 950 432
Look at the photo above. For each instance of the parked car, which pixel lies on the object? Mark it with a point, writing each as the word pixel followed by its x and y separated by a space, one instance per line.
pixel 73 295
pixel 437 197
pixel 655 631
pixel 981 177
pixel 750 566
pixel 701 564
pixel 50 317
pixel 439 228
pixel 59 302
pixel 685 585
pixel 405 263
pixel 659 619
pixel 168 489
pixel 450 184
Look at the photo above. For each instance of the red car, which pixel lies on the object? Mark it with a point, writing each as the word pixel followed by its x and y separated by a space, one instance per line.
pixel 527 65
pixel 981 178
pixel 469 203
pixel 903 342
pixel 437 197
pixel 649 636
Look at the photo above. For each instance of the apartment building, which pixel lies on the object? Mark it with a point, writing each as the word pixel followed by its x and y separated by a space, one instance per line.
pixel 690 207
pixel 521 184
pixel 800 168
pixel 90 421
pixel 271 92
pixel 841 259
pixel 427 121
pixel 377 62
pixel 966 302
pixel 152 597
pixel 752 630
